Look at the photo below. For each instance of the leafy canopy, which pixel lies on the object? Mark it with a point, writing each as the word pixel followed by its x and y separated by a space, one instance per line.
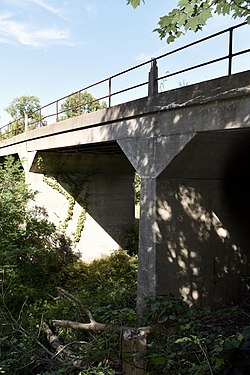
pixel 26 104
pixel 193 15
pixel 23 104
pixel 78 104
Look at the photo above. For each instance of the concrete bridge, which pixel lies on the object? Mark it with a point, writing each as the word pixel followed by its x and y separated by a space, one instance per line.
pixel 191 148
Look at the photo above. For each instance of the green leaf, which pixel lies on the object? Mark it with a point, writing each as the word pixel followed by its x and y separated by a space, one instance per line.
pixel 134 3
pixel 191 24
pixel 183 339
pixel 170 39
pixel 219 362
pixel 165 21
pixel 189 10
pixel 157 360
pixel 183 3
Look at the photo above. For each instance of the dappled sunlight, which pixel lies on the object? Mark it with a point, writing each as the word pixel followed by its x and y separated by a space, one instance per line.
pixel 164 210
pixel 191 203
pixel 219 229
pixel 189 293
pixel 177 118
pixel 204 220
pixel 199 256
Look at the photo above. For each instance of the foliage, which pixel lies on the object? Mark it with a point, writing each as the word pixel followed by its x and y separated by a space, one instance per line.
pixel 21 105
pixel 30 248
pixel 107 286
pixel 113 280
pixel 80 103
pixel 17 109
pixel 132 240
pixel 193 15
pixel 100 369
pixel 137 183
pixel 197 341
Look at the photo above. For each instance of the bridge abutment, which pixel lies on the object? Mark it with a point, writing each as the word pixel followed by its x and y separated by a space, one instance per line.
pixel 90 197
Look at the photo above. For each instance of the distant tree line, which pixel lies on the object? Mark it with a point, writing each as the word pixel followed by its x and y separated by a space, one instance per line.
pixel 29 106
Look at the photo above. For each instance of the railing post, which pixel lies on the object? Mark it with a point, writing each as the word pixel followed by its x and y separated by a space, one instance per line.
pixel 79 103
pixel 153 79
pixel 110 91
pixel 26 125
pixel 40 117
pixel 230 52
pixel 57 118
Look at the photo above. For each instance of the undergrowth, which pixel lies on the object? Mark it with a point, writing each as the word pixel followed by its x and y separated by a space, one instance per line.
pixel 192 341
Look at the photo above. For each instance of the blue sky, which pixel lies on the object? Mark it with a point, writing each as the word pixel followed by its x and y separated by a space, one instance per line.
pixel 50 48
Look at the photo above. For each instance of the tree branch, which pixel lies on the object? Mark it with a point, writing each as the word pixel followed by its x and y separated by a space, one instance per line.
pixel 71 297
pixel 129 333
pixel 61 351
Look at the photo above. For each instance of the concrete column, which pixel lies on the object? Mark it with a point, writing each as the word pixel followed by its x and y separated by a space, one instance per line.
pixel 147 240
pixel 150 157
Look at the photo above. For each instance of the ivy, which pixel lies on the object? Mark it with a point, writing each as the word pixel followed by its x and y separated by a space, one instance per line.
pixel 81 221
pixel 52 182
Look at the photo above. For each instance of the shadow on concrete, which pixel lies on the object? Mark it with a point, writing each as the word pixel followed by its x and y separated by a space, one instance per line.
pixel 203 209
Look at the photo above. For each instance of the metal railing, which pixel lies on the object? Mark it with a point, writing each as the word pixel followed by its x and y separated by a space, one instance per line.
pixel 54 109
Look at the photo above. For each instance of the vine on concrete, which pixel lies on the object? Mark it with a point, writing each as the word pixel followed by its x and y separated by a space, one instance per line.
pixel 81 219
pixel 40 163
pixel 52 182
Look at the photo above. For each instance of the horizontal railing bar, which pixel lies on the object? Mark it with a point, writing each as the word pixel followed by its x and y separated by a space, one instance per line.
pixel 193 67
pixel 200 41
pixel 241 52
pixel 129 88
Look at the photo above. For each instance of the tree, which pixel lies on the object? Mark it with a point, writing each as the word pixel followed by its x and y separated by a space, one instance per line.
pixel 30 247
pixel 193 15
pixel 79 103
pixel 17 109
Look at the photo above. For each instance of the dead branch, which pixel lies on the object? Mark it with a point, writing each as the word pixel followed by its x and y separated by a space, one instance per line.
pixel 134 339
pixel 71 297
pixel 129 333
pixel 61 351
pixel 93 326
pixel 52 338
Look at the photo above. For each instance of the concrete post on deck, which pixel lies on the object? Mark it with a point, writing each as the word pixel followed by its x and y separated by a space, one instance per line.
pixel 153 79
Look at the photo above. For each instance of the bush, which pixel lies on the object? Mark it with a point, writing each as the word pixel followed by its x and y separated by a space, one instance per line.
pixel 197 341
